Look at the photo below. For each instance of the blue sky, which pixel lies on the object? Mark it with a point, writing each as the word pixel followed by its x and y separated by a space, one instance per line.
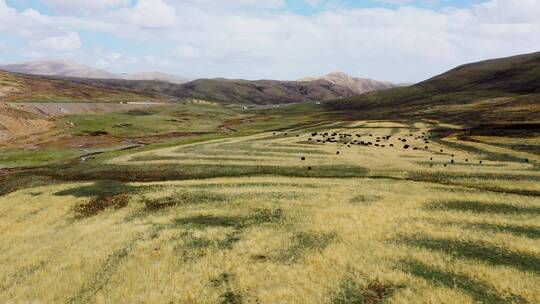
pixel 305 8
pixel 302 7
pixel 395 40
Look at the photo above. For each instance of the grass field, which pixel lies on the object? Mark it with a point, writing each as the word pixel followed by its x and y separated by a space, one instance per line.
pixel 94 132
pixel 278 216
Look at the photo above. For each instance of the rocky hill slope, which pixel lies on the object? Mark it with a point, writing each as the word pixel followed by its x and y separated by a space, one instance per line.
pixel 357 85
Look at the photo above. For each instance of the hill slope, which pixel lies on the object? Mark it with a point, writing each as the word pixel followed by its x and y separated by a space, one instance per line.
pixel 357 85
pixel 517 74
pixel 261 92
pixel 506 89
pixel 25 120
pixel 19 87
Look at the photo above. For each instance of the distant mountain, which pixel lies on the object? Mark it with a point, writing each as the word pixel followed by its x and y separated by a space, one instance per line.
pixel 69 68
pixel 63 68
pixel 262 91
pixel 179 88
pixel 233 90
pixel 157 76
pixel 357 85
pixel 504 89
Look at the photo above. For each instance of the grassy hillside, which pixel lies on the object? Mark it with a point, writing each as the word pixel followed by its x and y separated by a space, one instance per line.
pixel 261 92
pixel 70 136
pixel 29 103
pixel 506 90
pixel 518 74
pixel 20 87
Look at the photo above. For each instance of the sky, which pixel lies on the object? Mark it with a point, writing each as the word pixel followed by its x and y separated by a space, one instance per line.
pixel 402 41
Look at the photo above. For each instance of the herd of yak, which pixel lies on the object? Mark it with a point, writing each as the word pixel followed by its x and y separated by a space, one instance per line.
pixel 349 140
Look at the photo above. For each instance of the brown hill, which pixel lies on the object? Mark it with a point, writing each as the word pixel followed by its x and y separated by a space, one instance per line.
pixel 20 87
pixel 498 90
pixel 261 92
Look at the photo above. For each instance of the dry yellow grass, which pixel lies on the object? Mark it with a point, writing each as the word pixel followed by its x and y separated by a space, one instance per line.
pixel 407 231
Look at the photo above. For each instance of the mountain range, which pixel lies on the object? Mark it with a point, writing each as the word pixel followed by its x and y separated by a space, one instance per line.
pixel 261 92
pixel 332 86
pixel 26 87
pixel 503 90
pixel 69 68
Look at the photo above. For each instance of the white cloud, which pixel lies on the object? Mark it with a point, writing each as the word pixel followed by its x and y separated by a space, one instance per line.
pixel 232 5
pixel 107 59
pixel 259 39
pixel 6 13
pixel 36 16
pixel 85 5
pixel 65 43
pixel 41 33
pixel 187 52
pixel 152 14
pixel 509 11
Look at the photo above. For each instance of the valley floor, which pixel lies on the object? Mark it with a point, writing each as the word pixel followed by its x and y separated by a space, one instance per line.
pixel 282 217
